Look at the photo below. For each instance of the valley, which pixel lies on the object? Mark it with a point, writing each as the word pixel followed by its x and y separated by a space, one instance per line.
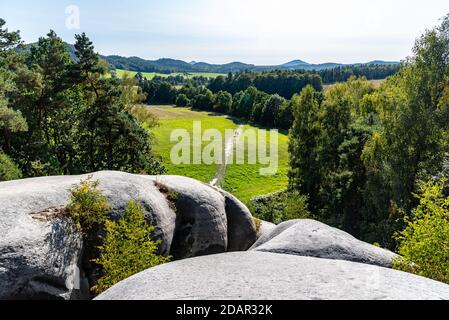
pixel 243 180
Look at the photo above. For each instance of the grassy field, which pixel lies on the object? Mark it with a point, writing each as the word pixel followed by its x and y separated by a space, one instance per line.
pixel 244 181
pixel 170 119
pixel 151 75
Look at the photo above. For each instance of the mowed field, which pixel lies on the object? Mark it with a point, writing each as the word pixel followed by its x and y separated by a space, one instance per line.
pixel 171 119
pixel 244 181
pixel 151 75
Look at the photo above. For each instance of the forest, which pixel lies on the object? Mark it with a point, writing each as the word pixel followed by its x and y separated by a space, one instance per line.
pixel 368 160
pixel 60 117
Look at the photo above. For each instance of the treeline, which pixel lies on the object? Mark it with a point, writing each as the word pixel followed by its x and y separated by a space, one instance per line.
pixel 180 80
pixel 360 154
pixel 256 97
pixel 59 117
pixel 369 71
pixel 283 83
pixel 288 83
pixel 251 104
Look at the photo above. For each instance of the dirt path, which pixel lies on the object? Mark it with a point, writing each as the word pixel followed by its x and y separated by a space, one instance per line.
pixel 228 153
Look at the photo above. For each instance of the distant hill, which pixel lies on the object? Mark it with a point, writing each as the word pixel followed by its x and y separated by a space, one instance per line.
pixel 167 66
pixel 170 65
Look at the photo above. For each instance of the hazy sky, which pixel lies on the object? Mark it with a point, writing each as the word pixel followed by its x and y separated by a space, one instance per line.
pixel 252 31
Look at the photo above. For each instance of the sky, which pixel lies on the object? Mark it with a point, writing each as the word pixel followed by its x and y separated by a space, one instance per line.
pixel 263 32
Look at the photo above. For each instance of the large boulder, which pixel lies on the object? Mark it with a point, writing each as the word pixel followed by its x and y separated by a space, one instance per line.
pixel 315 239
pixel 41 250
pixel 241 235
pixel 267 276
pixel 264 228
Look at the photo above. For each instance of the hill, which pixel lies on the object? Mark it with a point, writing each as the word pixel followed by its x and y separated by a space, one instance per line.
pixel 169 66
pixel 174 66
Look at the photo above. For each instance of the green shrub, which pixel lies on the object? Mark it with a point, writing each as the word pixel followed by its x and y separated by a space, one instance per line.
pixel 424 244
pixel 281 206
pixel 127 248
pixel 8 170
pixel 182 101
pixel 88 207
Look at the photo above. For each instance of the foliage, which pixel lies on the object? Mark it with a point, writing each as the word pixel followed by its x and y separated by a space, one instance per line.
pixel 271 110
pixel 182 100
pixel 326 143
pixel 8 40
pixel 60 115
pixel 358 152
pixel 203 100
pixel 127 248
pixel 410 143
pixel 373 71
pixel 424 243
pixel 283 83
pixel 281 206
pixel 223 102
pixel 88 207
pixel 8 170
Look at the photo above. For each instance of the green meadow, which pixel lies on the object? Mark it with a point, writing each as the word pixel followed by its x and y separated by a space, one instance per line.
pixel 244 181
pixel 171 119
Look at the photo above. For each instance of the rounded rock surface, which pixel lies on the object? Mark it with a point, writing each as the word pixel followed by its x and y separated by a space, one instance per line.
pixel 269 276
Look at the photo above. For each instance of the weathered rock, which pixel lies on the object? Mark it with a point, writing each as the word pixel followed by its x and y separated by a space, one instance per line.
pixel 41 261
pixel 265 228
pixel 201 227
pixel 315 239
pixel 40 252
pixel 241 226
pixel 273 277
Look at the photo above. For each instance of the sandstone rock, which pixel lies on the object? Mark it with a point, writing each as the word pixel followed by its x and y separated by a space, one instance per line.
pixel 265 229
pixel 315 239
pixel 41 261
pixel 201 226
pixel 40 252
pixel 241 226
pixel 273 277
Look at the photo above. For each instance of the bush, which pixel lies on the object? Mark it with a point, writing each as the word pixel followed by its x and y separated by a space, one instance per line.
pixel 88 207
pixel 8 170
pixel 281 206
pixel 114 250
pixel 424 244
pixel 223 102
pixel 182 101
pixel 127 248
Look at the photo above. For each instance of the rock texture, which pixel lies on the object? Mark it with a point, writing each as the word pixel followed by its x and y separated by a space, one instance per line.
pixel 314 239
pixel 240 224
pixel 41 252
pixel 260 276
pixel 265 228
